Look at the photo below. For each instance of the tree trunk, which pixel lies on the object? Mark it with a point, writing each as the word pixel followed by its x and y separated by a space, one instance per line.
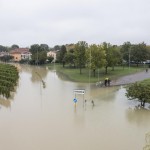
pixel 106 70
pixel 143 103
pixel 63 64
pixel 94 72
pixel 80 70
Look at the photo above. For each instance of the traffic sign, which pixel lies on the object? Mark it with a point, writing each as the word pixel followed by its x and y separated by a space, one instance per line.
pixel 75 100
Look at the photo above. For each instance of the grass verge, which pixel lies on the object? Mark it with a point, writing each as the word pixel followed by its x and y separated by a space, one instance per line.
pixel 73 74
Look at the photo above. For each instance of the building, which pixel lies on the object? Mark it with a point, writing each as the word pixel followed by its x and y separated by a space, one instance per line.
pixel 20 54
pixel 52 54
pixel 2 54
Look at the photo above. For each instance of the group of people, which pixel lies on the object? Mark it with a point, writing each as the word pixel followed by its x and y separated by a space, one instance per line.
pixel 107 81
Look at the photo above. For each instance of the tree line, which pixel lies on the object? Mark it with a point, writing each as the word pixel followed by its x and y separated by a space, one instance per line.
pixel 81 55
pixel 103 55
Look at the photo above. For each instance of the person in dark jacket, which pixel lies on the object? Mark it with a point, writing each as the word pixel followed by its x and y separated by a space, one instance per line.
pixel 106 81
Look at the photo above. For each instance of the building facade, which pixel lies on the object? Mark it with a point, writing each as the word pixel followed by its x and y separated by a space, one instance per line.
pixel 20 54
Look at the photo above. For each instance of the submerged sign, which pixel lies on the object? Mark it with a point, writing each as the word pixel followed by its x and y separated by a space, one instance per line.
pixel 75 100
pixel 79 91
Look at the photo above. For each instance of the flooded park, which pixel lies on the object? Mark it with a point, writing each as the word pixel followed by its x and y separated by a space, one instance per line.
pixel 44 117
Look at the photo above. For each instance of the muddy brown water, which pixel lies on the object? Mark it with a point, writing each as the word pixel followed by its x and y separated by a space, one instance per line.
pixel 37 118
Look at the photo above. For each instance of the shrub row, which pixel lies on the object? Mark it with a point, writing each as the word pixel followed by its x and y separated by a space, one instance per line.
pixel 8 79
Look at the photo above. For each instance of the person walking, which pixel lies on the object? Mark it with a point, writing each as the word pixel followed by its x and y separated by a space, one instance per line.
pixel 106 81
pixel 92 102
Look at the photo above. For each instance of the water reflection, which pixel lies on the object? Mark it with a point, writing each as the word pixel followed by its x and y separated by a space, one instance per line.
pixel 62 76
pixel 4 102
pixel 38 74
pixel 138 115
pixel 7 102
pixel 147 141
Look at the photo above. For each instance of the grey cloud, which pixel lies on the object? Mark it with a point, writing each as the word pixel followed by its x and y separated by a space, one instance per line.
pixel 68 21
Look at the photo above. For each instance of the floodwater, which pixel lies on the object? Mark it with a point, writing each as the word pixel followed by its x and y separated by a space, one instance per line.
pixel 38 118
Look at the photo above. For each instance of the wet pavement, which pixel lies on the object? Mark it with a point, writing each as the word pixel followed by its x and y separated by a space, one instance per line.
pixel 131 78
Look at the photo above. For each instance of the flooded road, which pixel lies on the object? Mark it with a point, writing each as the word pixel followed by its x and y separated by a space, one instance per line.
pixel 38 118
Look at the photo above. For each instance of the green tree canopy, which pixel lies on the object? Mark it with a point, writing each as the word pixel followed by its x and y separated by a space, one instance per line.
pixel 140 92
pixel 116 56
pixel 139 53
pixel 110 55
pixel 95 57
pixel 45 47
pixel 63 51
pixel 14 46
pixel 39 54
pixel 57 47
pixel 70 58
pixel 125 51
pixel 3 48
pixel 80 53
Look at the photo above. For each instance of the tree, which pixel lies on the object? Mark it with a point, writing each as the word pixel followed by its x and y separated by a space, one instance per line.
pixel 62 54
pixel 14 46
pixel 80 49
pixel 140 92
pixel 109 57
pixel 139 53
pixel 34 51
pixel 70 58
pixel 45 47
pixel 6 58
pixel 95 57
pixel 116 56
pixel 39 54
pixel 42 56
pixel 126 51
pixel 57 47
pixel 3 48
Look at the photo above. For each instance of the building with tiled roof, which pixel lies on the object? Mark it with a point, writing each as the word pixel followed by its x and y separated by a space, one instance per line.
pixel 20 54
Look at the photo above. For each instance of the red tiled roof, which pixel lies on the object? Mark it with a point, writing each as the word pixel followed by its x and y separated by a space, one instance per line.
pixel 19 50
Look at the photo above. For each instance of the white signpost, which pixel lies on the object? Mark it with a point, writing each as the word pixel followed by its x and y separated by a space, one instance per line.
pixel 80 92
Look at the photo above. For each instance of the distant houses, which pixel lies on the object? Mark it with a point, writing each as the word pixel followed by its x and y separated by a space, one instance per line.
pixel 20 54
pixel 2 54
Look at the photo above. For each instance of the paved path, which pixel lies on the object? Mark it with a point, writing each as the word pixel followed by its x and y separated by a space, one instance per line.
pixel 131 78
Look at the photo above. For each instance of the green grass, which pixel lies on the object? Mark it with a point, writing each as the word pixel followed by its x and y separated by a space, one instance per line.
pixel 73 74
pixel 145 82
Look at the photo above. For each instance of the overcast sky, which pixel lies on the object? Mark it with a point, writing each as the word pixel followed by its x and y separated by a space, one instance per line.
pixel 58 22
